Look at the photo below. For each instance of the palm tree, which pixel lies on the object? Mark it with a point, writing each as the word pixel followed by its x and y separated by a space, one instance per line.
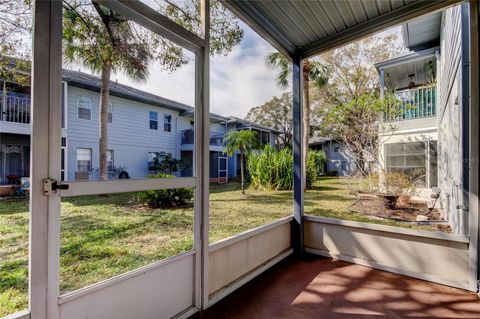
pixel 313 71
pixel 243 141
pixel 103 41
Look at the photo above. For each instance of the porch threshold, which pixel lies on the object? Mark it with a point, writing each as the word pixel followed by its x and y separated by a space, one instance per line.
pixel 318 287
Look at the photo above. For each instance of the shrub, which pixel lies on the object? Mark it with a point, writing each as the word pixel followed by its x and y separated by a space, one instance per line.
pixel 166 197
pixel 272 169
pixel 398 184
pixel 315 162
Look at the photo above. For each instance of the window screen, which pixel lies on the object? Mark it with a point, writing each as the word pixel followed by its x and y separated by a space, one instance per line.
pixel 409 159
pixel 84 159
pixel 153 120
pixel 84 108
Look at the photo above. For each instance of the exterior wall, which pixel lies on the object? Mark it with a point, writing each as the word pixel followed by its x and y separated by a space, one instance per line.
pixel 432 256
pixel 450 121
pixel 233 260
pixel 335 159
pixel 130 137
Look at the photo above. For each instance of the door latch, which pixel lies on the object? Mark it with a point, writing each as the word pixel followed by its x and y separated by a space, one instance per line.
pixel 51 185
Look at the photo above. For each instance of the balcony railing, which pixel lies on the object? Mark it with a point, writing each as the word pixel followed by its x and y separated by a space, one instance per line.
pixel 188 137
pixel 413 104
pixel 14 109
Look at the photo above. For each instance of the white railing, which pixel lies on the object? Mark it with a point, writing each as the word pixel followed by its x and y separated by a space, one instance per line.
pixel 14 109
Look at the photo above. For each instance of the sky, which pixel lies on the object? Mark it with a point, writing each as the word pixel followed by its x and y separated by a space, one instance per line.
pixel 238 81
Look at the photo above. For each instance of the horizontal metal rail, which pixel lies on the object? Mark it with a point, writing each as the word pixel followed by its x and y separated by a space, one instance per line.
pixel 80 188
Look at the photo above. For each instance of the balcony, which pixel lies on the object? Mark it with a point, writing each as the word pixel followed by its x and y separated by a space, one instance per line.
pixel 413 104
pixel 188 137
pixel 14 109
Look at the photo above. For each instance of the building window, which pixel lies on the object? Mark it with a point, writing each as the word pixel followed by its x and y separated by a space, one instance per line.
pixel 110 113
pixel 153 120
pixel 344 165
pixel 410 159
pixel 63 166
pixel 110 160
pixel 64 105
pixel 167 123
pixel 84 159
pixel 84 108
pixel 335 149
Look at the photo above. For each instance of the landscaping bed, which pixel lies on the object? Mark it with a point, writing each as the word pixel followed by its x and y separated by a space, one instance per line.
pixel 406 210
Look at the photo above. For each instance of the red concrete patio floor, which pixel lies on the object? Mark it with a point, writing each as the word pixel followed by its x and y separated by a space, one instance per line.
pixel 324 288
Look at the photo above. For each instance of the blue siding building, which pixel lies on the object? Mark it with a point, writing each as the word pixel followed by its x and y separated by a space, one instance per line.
pixel 140 125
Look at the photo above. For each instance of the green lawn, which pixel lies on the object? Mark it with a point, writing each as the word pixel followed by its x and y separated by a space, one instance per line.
pixel 103 236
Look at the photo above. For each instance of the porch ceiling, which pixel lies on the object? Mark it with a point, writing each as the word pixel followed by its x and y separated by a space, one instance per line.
pixel 311 27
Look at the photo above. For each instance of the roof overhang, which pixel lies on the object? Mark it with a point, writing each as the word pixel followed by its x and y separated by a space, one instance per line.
pixel 422 33
pixel 422 65
pixel 309 28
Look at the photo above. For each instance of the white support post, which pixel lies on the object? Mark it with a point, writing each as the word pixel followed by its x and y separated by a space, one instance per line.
pixel 45 159
pixel 202 141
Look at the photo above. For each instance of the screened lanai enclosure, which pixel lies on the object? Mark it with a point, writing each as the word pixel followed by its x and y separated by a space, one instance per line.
pixel 299 266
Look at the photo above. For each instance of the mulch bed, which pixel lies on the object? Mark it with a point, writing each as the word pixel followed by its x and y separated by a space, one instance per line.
pixel 406 210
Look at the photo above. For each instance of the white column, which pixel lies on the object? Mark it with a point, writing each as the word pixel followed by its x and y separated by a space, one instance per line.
pixel 202 141
pixel 45 159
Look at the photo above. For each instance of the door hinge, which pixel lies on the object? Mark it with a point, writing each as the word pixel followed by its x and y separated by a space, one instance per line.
pixel 51 185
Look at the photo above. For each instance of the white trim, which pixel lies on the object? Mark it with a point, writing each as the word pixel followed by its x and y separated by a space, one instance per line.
pixel 18 315
pixel 390 229
pixel 409 131
pixel 65 104
pixel 371 264
pixel 228 289
pixel 114 280
pixel 80 188
pixel 249 233
pixel 187 313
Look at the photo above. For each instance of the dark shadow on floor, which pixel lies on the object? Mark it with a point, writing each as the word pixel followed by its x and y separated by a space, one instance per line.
pixel 316 287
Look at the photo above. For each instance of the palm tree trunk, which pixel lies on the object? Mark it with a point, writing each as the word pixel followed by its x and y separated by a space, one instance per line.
pixel 306 127
pixel 241 173
pixel 104 103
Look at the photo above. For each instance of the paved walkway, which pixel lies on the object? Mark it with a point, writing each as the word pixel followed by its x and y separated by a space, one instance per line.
pixel 325 288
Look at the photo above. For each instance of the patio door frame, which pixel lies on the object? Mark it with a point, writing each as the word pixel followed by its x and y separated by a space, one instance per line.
pixel 45 203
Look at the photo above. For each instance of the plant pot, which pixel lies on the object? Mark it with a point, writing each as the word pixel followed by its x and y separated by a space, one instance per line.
pixel 5 190
pixel 390 201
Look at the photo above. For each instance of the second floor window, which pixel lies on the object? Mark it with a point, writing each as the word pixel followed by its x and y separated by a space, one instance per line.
pixel 167 123
pixel 110 113
pixel 84 108
pixel 110 160
pixel 153 120
pixel 84 159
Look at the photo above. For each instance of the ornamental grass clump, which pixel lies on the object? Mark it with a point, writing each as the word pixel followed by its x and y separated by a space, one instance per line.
pixel 272 169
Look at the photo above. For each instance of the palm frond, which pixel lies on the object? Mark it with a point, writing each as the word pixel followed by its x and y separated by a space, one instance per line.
pixel 318 73
pixel 279 62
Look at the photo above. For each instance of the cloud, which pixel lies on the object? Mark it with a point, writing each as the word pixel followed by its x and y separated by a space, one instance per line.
pixel 238 81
